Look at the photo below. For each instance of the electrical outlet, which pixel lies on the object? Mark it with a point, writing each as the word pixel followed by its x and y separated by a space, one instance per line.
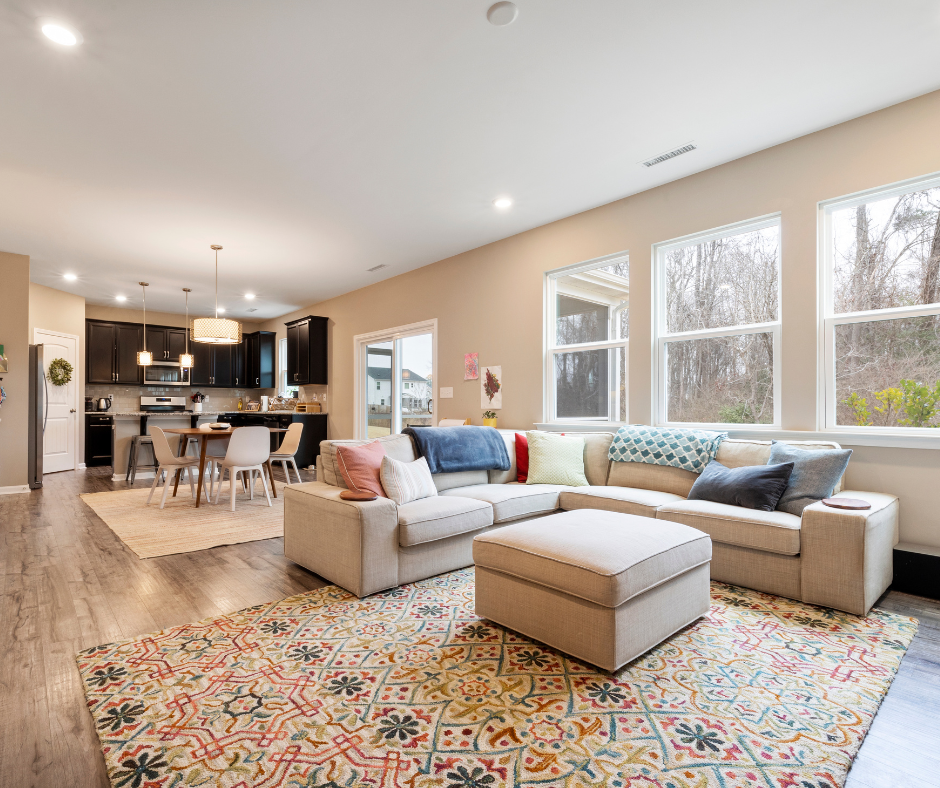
pixel 447 392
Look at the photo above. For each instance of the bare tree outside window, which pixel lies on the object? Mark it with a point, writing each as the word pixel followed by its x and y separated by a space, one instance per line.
pixel 730 282
pixel 885 261
pixel 591 307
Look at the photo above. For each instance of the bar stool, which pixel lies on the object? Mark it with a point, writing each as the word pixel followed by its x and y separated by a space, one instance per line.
pixel 132 467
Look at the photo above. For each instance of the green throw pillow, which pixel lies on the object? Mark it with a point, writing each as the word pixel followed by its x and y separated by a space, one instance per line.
pixel 556 459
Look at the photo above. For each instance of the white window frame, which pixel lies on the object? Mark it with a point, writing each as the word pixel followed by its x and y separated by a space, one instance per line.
pixel 361 378
pixel 661 336
pixel 551 349
pixel 828 320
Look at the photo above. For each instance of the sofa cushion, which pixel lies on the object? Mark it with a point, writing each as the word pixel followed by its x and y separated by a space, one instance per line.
pixel 360 465
pixel 736 453
pixel 504 477
pixel 604 557
pixel 815 474
pixel 626 500
pixel 753 486
pixel 642 476
pixel 398 447
pixel 775 532
pixel 512 501
pixel 447 481
pixel 596 462
pixel 556 459
pixel 405 482
pixel 436 518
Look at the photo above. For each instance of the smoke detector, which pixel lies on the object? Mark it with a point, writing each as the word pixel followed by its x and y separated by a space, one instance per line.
pixel 668 155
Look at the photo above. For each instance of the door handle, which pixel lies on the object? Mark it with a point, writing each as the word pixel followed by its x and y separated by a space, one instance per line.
pixel 257 381
pixel 72 410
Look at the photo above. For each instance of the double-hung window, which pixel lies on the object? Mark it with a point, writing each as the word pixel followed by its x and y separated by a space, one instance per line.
pixel 716 306
pixel 587 337
pixel 880 289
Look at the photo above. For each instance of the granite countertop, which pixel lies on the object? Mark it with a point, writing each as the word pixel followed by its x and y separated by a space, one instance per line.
pixel 180 414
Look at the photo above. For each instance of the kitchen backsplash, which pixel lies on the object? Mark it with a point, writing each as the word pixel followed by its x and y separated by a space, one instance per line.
pixel 128 397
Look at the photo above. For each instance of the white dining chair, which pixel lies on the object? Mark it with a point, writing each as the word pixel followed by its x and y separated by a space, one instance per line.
pixel 248 451
pixel 286 452
pixel 167 461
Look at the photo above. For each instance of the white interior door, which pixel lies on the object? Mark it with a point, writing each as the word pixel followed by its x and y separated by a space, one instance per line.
pixel 60 440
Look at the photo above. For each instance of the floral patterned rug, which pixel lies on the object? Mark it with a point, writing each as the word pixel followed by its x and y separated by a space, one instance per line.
pixel 410 688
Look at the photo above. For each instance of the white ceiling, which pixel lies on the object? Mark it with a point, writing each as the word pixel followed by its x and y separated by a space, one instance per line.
pixel 316 139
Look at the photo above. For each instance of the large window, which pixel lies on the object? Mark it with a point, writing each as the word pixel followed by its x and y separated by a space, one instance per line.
pixel 717 326
pixel 587 336
pixel 395 374
pixel 881 308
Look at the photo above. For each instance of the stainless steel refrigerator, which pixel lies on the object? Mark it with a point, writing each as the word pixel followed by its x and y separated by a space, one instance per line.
pixel 38 397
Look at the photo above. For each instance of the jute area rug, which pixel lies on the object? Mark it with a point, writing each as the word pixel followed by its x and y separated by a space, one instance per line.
pixel 182 528
pixel 410 688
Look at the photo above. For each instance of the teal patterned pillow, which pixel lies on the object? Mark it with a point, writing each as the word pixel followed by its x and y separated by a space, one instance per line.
pixel 556 459
pixel 691 450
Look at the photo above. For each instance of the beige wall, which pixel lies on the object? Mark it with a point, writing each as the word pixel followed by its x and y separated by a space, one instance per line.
pixel 490 300
pixel 14 336
pixel 55 310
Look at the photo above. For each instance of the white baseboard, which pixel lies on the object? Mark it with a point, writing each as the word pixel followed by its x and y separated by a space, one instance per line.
pixel 81 466
pixel 120 477
pixel 14 489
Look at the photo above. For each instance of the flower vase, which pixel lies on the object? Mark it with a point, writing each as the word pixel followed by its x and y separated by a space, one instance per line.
pixel 490 423
pixel 197 407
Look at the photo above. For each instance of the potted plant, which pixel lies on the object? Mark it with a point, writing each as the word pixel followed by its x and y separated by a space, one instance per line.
pixel 198 398
pixel 489 418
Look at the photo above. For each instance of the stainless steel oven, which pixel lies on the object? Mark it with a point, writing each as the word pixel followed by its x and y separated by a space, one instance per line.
pixel 166 373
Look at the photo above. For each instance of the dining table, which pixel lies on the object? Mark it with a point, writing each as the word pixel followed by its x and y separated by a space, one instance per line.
pixel 203 436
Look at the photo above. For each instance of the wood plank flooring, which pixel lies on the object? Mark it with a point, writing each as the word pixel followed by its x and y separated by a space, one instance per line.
pixel 69 583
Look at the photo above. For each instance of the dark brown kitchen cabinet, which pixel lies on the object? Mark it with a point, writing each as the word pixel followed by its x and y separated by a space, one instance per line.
pixel 201 373
pixel 111 352
pixel 259 356
pixel 166 344
pixel 175 343
pixel 222 367
pixel 239 363
pixel 212 365
pixel 307 356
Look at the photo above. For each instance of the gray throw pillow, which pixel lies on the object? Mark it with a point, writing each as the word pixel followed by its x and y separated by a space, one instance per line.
pixel 815 474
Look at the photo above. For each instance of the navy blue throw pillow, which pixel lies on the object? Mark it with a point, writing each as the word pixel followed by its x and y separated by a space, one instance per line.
pixel 753 486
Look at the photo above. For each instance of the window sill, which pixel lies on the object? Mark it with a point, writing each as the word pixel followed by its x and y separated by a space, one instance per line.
pixel 887 441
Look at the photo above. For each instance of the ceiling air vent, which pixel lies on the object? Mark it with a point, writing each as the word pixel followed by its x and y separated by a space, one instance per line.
pixel 668 155
pixel 376 268
pixel 253 309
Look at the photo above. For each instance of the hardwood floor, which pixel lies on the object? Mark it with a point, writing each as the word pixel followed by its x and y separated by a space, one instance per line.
pixel 69 583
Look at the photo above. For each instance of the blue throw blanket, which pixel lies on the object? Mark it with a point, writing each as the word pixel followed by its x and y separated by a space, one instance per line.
pixel 688 449
pixel 452 449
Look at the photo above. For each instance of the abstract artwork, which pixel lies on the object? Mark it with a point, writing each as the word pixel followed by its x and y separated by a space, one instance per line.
pixel 491 385
pixel 471 366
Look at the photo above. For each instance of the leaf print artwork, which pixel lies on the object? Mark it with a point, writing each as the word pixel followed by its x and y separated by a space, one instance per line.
pixel 491 384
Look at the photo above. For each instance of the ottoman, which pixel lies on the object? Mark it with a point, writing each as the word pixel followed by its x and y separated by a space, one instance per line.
pixel 602 586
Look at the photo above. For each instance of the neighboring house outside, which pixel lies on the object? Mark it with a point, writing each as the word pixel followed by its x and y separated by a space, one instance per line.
pixel 415 394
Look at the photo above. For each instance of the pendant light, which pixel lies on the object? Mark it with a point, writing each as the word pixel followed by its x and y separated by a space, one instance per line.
pixel 144 357
pixel 186 358
pixel 216 329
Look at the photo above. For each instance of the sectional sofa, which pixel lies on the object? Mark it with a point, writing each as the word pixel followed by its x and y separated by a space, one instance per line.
pixel 829 557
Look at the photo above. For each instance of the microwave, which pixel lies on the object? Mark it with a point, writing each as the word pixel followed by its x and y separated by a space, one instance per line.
pixel 166 373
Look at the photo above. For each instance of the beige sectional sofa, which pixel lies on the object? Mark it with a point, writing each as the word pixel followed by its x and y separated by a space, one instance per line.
pixel 830 557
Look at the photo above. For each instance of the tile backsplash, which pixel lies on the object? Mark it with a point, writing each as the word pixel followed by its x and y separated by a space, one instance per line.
pixel 128 397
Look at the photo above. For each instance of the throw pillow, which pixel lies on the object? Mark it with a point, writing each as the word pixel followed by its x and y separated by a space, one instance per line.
pixel 815 474
pixel 405 482
pixel 554 459
pixel 522 458
pixel 752 486
pixel 360 465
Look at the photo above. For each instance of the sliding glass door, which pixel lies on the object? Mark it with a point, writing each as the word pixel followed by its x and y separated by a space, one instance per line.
pixel 395 379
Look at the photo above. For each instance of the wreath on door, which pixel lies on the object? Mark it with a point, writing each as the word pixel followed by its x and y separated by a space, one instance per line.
pixel 60 372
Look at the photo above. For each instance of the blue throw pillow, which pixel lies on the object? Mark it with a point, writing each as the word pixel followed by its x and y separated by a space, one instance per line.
pixel 815 474
pixel 753 486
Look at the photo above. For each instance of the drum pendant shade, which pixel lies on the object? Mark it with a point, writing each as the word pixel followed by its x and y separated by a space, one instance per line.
pixel 216 330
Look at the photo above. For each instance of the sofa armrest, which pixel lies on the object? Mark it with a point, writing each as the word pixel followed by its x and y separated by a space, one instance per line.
pixel 351 543
pixel 847 556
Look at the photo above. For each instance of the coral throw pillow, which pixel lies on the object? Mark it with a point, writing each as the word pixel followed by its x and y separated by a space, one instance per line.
pixel 360 466
pixel 522 457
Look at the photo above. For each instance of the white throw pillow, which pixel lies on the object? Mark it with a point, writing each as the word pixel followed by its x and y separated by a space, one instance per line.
pixel 405 482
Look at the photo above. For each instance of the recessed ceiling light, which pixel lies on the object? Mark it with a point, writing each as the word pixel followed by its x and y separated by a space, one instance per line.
pixel 502 202
pixel 70 277
pixel 250 296
pixel 122 299
pixel 221 310
pixel 59 33
pixel 502 14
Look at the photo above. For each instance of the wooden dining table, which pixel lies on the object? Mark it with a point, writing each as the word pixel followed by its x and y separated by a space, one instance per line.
pixel 204 436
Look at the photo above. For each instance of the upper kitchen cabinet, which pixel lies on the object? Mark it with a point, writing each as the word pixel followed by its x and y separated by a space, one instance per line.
pixel 307 342
pixel 166 344
pixel 259 357
pixel 111 352
pixel 213 365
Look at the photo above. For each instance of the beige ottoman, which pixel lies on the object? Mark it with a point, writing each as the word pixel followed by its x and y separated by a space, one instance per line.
pixel 601 586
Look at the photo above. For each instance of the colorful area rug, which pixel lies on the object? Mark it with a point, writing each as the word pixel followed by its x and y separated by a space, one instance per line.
pixel 409 688
pixel 182 528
